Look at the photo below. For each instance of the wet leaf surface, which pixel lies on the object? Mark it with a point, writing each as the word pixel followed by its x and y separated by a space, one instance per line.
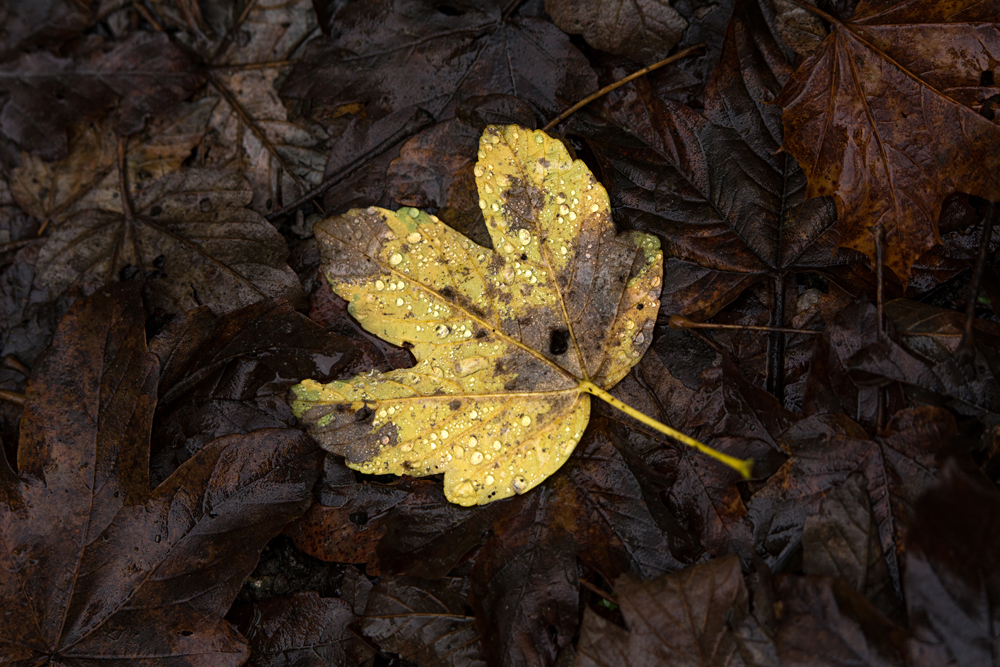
pixel 680 619
pixel 504 338
pixel 909 105
pixel 148 487
pixel 101 564
pixel 46 93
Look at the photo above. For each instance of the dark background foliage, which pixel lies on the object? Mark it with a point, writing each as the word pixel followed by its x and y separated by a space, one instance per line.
pixel 163 162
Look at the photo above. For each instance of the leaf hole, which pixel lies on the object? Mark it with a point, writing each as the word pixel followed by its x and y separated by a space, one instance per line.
pixel 559 341
pixel 359 518
pixel 986 78
pixel 186 633
pixel 640 306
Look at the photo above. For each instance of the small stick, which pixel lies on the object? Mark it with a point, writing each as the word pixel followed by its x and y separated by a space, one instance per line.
pixel 680 322
pixel 10 362
pixel 742 466
pixel 968 335
pixel 418 122
pixel 11 396
pixel 597 591
pixel 617 84
pixel 879 231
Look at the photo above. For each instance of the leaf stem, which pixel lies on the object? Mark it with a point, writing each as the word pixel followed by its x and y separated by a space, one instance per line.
pixel 617 84
pixel 742 466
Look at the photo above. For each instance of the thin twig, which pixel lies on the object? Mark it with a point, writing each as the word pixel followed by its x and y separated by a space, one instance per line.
pixel 12 363
pixel 597 591
pixel 879 232
pixel 511 8
pixel 968 335
pixel 12 397
pixel 418 122
pixel 148 15
pixel 680 322
pixel 14 245
pixel 621 82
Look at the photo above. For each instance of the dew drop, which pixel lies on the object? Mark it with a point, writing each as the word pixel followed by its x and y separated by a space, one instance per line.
pixel 414 237
pixel 399 302
pixel 496 445
pixel 487 189
pixel 413 213
pixel 379 285
pixel 519 484
pixel 444 435
pixel 482 204
pixel 442 331
pixel 495 206
pixel 564 210
pixel 640 339
pixel 406 446
pixel 538 139
pixel 594 208
pixel 482 155
pixel 472 440
pixel 396 259
pixel 477 458
pixel 629 324
pixel 478 170
pixel 489 479
pixel 572 215
pixel 459 452
pixel 524 236
pixel 525 420
pixel 385 440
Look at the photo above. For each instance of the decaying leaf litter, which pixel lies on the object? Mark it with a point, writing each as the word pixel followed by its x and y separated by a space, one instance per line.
pixel 893 399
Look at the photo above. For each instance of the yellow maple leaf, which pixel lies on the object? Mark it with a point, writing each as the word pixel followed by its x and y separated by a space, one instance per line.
pixel 510 342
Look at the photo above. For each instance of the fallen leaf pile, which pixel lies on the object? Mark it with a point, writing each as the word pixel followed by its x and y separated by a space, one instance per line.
pixel 181 181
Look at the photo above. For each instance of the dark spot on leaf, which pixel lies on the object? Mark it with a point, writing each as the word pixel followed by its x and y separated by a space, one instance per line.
pixel 363 414
pixel 986 78
pixel 640 307
pixel 455 404
pixel 129 272
pixel 481 333
pixel 160 261
pixel 186 633
pixel 559 341
pixel 155 211
pixel 448 10
pixel 524 256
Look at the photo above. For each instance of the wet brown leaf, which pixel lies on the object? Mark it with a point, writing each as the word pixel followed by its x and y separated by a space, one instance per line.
pixel 825 450
pixel 304 630
pixel 143 75
pixel 884 118
pixel 680 619
pixel 97 565
pixel 425 622
pixel 730 208
pixel 953 570
pixel 191 228
pixel 392 55
pixel 644 30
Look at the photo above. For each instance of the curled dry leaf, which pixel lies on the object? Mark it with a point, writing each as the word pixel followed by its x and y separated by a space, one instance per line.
pixel 883 117
pixel 508 341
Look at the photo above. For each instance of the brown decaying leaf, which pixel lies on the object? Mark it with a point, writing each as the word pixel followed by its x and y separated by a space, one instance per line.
pixel 25 24
pixel 424 622
pixel 229 374
pixel 252 132
pixel 147 73
pixel 193 226
pixel 681 619
pixel 825 450
pixel 442 58
pixel 303 629
pixel 94 564
pixel 952 576
pixel 883 117
pixel 644 30
pixel 729 207
pixel 823 621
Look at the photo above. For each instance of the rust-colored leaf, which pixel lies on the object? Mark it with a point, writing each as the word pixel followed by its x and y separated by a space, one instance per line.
pixel 884 118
